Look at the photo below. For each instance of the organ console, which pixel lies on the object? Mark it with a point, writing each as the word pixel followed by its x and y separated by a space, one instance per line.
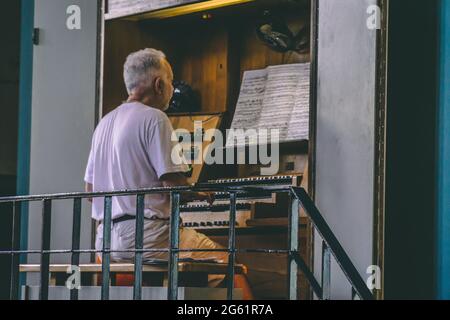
pixel 203 216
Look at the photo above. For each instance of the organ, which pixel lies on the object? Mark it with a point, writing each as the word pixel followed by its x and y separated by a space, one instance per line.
pixel 211 48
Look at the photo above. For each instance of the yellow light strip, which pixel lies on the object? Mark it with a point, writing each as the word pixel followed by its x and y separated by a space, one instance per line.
pixel 187 9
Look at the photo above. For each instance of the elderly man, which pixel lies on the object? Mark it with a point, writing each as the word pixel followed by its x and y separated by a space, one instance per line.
pixel 131 149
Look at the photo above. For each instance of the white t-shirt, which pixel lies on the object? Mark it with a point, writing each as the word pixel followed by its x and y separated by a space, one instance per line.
pixel 131 149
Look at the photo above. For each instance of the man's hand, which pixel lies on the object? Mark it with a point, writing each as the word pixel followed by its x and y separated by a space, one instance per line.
pixel 88 188
pixel 178 179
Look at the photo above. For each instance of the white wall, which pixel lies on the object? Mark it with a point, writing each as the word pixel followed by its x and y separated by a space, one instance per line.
pixel 345 133
pixel 63 116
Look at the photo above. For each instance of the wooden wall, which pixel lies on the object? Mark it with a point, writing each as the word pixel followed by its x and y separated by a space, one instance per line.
pixel 210 55
pixel 121 38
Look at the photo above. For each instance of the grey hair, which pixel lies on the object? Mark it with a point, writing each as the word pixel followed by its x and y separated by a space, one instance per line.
pixel 138 65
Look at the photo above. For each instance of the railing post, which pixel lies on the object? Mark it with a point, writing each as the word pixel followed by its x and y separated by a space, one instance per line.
pixel 315 286
pixel 138 245
pixel 76 230
pixel 45 256
pixel 293 247
pixel 106 255
pixel 172 293
pixel 15 257
pixel 231 246
pixel 326 271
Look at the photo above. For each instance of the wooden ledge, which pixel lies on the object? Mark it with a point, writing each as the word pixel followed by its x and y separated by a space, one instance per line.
pixel 211 268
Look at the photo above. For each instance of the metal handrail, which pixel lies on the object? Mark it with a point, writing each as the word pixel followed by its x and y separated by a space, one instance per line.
pixel 331 245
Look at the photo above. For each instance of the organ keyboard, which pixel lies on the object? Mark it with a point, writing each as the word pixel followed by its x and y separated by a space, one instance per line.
pixel 201 215
pixel 284 180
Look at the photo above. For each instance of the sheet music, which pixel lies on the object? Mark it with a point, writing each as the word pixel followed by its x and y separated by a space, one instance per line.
pixel 298 128
pixel 122 8
pixel 275 98
pixel 279 98
pixel 250 100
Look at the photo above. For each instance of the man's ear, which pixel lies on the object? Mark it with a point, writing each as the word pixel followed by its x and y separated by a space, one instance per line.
pixel 159 85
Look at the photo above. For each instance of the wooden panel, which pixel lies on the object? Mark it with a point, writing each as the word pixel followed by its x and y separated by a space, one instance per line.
pixel 121 39
pixel 200 61
pixel 204 65
pixel 267 272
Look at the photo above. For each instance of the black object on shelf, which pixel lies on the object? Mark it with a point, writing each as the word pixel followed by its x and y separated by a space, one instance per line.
pixel 274 33
pixel 184 99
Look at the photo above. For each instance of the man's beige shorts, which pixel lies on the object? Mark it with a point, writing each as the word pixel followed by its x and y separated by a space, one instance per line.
pixel 156 236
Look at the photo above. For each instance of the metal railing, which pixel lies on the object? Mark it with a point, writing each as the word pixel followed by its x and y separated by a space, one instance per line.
pixel 298 196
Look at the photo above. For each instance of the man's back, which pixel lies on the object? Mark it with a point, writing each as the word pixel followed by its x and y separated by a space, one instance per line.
pixel 131 149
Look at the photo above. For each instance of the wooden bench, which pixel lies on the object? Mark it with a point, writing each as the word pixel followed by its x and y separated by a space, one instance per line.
pixel 191 274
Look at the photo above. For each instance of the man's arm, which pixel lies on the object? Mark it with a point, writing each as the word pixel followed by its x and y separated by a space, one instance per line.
pixel 174 180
